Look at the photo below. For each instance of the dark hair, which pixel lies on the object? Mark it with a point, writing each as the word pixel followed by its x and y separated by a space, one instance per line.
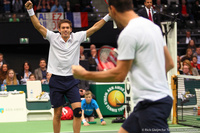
pixel 194 56
pixel 121 5
pixel 64 21
pixel 28 65
pixel 43 59
pixel 31 75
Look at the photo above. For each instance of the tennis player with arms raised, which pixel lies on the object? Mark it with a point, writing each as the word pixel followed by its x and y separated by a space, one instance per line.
pixel 143 53
pixel 63 53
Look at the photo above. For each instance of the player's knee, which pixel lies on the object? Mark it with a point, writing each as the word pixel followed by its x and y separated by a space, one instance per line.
pixel 77 112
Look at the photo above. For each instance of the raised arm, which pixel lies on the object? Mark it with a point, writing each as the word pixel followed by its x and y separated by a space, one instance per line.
pixel 34 19
pixel 169 64
pixel 98 25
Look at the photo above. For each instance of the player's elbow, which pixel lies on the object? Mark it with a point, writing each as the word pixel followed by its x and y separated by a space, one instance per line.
pixel 120 78
pixel 169 66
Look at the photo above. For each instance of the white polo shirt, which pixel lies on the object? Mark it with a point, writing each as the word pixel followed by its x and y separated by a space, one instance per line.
pixel 142 41
pixel 62 55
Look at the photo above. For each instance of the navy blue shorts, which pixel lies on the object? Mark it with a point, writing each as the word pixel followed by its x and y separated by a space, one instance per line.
pixel 61 86
pixel 149 117
pixel 92 115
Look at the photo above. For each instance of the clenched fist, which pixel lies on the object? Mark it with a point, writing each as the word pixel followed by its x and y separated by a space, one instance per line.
pixel 29 5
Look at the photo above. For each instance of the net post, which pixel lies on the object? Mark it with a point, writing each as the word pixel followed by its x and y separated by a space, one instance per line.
pixel 174 93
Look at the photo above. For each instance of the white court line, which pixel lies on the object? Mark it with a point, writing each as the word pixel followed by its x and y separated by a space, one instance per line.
pixel 105 131
pixel 172 130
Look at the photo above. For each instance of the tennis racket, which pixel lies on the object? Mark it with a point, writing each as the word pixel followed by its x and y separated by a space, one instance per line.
pixel 107 57
pixel 114 24
pixel 109 54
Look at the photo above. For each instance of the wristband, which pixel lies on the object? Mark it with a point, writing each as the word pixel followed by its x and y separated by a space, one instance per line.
pixel 31 12
pixel 102 119
pixel 106 18
pixel 83 120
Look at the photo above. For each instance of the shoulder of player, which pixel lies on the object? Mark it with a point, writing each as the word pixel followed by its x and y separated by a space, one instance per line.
pixel 78 33
pixel 93 101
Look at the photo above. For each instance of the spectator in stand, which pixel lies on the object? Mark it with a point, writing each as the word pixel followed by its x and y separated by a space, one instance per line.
pixel 185 12
pixel 194 63
pixel 57 7
pixel 2 61
pixel 51 2
pixel 192 45
pixel 40 73
pixel 6 4
pixel 92 46
pixel 23 76
pixel 188 55
pixel 178 58
pixel 186 70
pixel 159 6
pixel 43 7
pixel 196 10
pixel 11 78
pixel 187 38
pixel 48 76
pixel 75 4
pixel 179 71
pixel 3 72
pixel 17 6
pixel 148 12
pixel 32 77
pixel 14 18
pixel 86 6
pixel 197 54
pixel 82 55
pixel 68 7
pixel 93 61
pixel 193 71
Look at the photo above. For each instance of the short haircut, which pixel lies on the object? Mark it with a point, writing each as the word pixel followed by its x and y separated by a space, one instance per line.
pixel 64 21
pixel 43 59
pixel 31 75
pixel 88 93
pixel 121 5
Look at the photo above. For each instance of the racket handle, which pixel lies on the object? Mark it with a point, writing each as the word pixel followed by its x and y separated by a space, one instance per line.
pixel 114 25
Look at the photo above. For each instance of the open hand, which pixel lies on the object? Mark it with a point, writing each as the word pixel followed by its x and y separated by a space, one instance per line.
pixel 86 124
pixel 28 5
pixel 103 123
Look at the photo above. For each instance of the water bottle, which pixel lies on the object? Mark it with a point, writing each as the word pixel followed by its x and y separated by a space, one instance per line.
pixel 194 111
pixel 5 87
pixel 2 87
pixel 31 94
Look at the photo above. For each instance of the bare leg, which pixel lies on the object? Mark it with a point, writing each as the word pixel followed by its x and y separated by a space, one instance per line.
pixel 86 118
pixel 122 130
pixel 77 120
pixel 91 119
pixel 56 119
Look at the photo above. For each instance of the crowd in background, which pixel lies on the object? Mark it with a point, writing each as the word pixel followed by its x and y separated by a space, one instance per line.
pixel 186 9
pixel 8 75
pixel 17 6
